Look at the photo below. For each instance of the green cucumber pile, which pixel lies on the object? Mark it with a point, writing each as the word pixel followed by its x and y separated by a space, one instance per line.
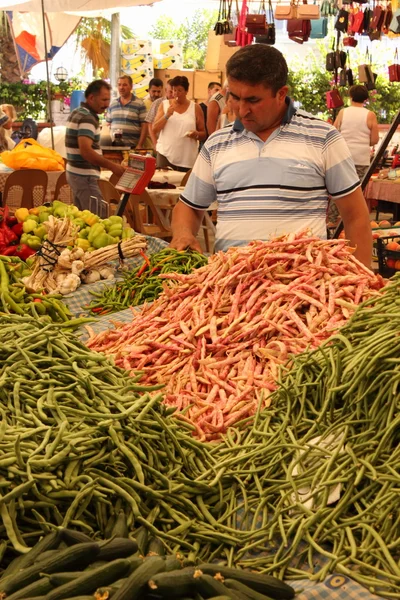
pixel 144 283
pixel 66 564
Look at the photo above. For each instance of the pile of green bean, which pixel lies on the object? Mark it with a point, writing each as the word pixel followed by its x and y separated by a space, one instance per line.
pixel 144 283
pixel 15 298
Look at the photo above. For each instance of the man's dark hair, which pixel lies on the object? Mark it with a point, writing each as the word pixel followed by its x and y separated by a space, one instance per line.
pixel 128 77
pixel 180 80
pixel 96 86
pixel 358 93
pixel 156 82
pixel 259 64
pixel 212 84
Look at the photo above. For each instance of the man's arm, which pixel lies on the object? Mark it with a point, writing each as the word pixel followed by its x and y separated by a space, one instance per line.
pixel 212 116
pixel 354 212
pixel 153 136
pixel 338 121
pixel 186 223
pixel 143 135
pixel 372 123
pixel 87 153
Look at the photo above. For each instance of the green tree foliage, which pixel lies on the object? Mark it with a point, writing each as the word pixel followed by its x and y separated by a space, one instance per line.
pixel 193 32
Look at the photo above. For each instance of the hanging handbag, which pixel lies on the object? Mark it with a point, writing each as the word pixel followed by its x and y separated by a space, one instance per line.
pixel 387 19
pixel 395 22
pixel 358 22
pixel 394 69
pixel 368 15
pixel 270 35
pixel 350 41
pixel 219 26
pixel 285 12
pixel 343 78
pixel 319 29
pixel 365 71
pixel 378 16
pixel 342 20
pixel 243 37
pixel 333 99
pixel 256 23
pixel 307 11
pixel 299 30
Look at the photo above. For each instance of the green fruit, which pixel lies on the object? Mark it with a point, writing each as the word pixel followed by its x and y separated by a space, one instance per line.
pixel 34 242
pixel 40 232
pixel 29 225
pixel 102 240
pixel 106 223
pixel 115 219
pixel 44 216
pixel 33 218
pixel 83 234
pixel 80 223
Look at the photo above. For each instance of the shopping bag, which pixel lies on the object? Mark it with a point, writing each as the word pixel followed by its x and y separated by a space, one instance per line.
pixel 29 154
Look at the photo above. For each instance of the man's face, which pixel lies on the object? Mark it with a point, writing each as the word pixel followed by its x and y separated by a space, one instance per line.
pixel 214 90
pixel 169 92
pixel 124 88
pixel 99 102
pixel 155 92
pixel 256 106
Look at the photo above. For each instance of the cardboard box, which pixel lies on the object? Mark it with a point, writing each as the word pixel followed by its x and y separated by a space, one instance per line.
pixel 130 48
pixel 142 89
pixel 201 81
pixel 218 53
pixel 168 47
pixel 168 74
pixel 167 62
pixel 139 62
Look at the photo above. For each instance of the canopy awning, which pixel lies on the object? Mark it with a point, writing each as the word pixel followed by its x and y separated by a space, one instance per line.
pixel 83 8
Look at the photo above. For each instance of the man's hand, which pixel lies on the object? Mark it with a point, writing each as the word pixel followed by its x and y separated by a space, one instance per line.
pixel 184 242
pixel 118 170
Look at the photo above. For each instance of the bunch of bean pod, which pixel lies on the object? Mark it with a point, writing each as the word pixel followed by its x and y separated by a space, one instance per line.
pixel 14 297
pixel 145 283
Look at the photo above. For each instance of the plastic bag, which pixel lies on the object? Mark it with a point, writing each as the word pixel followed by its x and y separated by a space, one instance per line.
pixel 29 154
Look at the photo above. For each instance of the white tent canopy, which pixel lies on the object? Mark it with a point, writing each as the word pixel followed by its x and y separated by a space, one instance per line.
pixel 90 8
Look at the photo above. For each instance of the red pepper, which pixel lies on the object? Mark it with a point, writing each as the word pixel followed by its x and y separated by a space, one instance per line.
pixel 23 251
pixel 11 221
pixel 10 251
pixel 18 229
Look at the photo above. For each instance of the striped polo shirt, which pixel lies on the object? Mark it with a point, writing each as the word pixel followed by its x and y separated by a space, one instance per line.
pixel 82 122
pixel 266 189
pixel 128 117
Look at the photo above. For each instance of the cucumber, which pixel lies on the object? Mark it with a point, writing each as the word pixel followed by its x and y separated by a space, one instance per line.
pixel 57 579
pixel 117 548
pixel 141 536
pixel 78 555
pixel 209 587
pixel 155 547
pixel 172 563
pixel 47 543
pixel 120 528
pixel 134 561
pixel 173 584
pixel 71 537
pixel 41 587
pixel 264 584
pixel 47 554
pixel 237 586
pixel 109 527
pixel 136 583
pixel 89 581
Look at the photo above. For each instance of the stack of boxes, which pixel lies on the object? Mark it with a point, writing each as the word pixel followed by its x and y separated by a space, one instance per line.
pixel 137 61
pixel 168 54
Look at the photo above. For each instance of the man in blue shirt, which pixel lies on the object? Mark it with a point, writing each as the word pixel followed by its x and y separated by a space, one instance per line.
pixel 128 114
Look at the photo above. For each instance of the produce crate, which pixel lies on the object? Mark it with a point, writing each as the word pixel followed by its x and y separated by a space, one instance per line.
pixel 388 254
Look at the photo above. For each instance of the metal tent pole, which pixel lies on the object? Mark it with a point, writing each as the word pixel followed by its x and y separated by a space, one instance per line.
pixel 47 75
pixel 115 51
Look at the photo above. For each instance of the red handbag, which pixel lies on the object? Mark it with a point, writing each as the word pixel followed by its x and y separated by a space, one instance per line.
pixel 358 22
pixel 243 37
pixel 394 70
pixel 333 99
pixel 299 30
pixel 256 23
pixel 350 41
pixel 377 18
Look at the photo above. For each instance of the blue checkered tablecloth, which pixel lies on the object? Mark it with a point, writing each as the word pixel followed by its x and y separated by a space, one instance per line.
pixel 81 298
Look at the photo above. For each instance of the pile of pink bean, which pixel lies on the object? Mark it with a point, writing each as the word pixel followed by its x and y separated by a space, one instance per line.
pixel 217 337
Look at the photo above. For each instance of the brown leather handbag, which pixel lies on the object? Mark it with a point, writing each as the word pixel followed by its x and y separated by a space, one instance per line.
pixel 256 23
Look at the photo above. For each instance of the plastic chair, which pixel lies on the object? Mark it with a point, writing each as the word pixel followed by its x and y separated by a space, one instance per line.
pixel 185 177
pixel 135 215
pixel 63 190
pixel 25 188
pixel 110 194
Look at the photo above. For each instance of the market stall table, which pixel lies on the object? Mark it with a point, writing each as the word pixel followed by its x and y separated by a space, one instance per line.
pixel 386 190
pixel 52 177
pixel 160 176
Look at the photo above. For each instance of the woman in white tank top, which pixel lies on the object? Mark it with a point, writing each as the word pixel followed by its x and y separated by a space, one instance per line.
pixel 359 127
pixel 180 125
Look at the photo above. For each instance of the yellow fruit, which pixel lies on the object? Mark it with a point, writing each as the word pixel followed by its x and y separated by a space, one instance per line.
pixel 21 214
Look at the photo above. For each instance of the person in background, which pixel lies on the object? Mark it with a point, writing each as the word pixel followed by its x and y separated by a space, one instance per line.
pixel 9 110
pixel 359 127
pixel 264 185
pixel 180 123
pixel 155 93
pixel 212 88
pixel 216 105
pixel 84 158
pixel 151 115
pixel 227 117
pixel 5 122
pixel 127 113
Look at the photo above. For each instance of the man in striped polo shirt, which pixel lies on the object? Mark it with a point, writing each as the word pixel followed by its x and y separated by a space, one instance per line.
pixel 82 137
pixel 128 113
pixel 273 171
